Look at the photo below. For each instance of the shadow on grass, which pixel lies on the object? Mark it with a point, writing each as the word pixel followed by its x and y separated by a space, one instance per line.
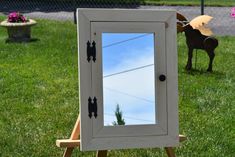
pixel 203 72
pixel 22 41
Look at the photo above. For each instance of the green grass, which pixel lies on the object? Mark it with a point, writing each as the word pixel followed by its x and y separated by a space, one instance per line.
pixel 39 97
pixel 157 2
pixel 191 2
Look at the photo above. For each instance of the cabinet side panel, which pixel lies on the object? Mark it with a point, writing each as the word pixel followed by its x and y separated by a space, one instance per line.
pixel 172 73
pixel 83 28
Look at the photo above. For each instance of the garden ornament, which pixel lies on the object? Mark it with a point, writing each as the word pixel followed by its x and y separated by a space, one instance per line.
pixel 198 36
pixel 18 27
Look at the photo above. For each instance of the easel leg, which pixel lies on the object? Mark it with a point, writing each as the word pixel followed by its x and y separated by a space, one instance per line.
pixel 170 152
pixel 68 152
pixel 101 153
pixel 76 132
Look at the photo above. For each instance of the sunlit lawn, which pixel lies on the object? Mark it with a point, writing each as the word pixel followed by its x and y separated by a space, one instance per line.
pixel 192 2
pixel 39 97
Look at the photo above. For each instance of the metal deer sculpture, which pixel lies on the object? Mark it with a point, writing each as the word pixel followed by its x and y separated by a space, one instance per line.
pixel 197 37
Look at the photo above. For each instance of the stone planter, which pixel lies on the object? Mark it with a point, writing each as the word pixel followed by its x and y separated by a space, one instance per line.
pixel 19 32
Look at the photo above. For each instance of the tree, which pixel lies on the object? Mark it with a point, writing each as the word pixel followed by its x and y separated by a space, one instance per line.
pixel 118 114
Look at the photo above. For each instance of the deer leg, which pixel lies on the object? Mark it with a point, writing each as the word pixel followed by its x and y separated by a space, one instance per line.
pixel 211 55
pixel 190 56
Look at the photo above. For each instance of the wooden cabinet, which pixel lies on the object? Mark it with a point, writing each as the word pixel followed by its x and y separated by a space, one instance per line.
pixel 127 58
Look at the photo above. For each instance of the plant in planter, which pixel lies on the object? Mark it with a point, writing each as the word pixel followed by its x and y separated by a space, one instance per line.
pixel 18 27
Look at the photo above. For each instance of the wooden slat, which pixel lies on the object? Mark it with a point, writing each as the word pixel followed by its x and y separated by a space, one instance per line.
pixel 76 130
pixel 68 143
pixel 71 143
pixel 170 152
pixel 182 138
pixel 68 152
pixel 101 153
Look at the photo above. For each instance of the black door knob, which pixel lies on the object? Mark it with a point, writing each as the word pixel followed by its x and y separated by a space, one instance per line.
pixel 162 77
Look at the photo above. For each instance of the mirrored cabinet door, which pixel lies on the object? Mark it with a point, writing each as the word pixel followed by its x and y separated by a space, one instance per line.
pixel 125 77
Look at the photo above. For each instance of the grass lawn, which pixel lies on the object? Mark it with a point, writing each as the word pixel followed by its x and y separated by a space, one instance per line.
pixel 39 97
pixel 165 2
pixel 191 2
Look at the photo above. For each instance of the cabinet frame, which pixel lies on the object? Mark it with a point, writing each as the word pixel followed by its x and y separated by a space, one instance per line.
pixel 95 136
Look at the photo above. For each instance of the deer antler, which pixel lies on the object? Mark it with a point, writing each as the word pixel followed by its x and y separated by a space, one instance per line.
pixel 181 17
pixel 182 20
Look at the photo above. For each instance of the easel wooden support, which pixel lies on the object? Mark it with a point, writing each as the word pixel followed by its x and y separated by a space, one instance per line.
pixel 74 141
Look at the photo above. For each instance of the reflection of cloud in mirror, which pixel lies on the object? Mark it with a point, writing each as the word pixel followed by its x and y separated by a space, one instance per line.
pixel 124 47
pixel 133 89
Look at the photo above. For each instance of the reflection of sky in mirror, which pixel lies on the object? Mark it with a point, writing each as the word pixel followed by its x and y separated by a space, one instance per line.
pixel 128 77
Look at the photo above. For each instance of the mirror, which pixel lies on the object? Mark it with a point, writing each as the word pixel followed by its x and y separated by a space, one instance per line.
pixel 128 78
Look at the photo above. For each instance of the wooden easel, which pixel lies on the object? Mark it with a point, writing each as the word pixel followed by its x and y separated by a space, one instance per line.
pixel 74 141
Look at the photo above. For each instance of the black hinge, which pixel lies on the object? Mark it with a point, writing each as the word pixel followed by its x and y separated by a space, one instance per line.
pixel 92 107
pixel 91 51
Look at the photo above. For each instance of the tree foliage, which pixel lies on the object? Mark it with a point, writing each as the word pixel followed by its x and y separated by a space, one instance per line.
pixel 119 116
